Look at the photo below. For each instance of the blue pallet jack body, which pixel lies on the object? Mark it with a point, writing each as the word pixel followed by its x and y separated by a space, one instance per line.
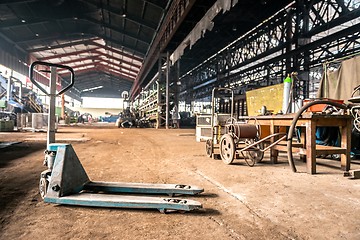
pixel 66 182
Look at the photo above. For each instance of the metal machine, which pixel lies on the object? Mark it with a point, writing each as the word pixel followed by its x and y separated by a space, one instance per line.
pixel 66 182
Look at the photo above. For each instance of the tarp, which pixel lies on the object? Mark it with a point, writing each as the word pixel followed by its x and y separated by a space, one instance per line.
pixel 340 83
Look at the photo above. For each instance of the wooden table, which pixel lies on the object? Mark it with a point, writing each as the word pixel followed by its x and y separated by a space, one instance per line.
pixel 308 123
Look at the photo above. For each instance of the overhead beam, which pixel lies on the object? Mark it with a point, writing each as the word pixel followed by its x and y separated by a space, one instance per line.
pixel 67 54
pixel 97 58
pixel 172 21
pixel 63 45
pixel 86 42
pixel 100 67
pixel 96 76
pixel 19 23
pixel 90 51
pixel 119 12
pixel 132 49
pixel 135 71
pixel 89 34
pixel 115 73
pixel 56 36
pixel 6 2
pixel 111 69
pixel 115 29
pixel 117 51
pixel 11 42
pixel 118 59
pixel 96 65
pixel 80 77
pixel 66 72
pixel 153 4
pixel 79 60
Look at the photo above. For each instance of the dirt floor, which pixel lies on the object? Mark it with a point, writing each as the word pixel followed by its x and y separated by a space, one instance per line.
pixel 263 202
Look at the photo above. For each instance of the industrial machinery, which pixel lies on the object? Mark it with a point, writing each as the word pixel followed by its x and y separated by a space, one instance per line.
pixel 232 138
pixel 66 182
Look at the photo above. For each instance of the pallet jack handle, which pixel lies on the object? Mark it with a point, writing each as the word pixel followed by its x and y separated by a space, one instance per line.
pixel 31 76
pixel 52 94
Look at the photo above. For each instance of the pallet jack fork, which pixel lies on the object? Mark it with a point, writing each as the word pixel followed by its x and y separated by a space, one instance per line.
pixel 66 181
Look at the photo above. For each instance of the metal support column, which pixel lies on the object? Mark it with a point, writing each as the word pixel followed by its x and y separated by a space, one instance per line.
pixel 177 83
pixel 158 118
pixel 51 116
pixel 158 89
pixel 8 88
pixel 303 13
pixel 167 89
pixel 289 35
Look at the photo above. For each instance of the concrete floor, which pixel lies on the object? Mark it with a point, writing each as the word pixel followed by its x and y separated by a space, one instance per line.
pixel 263 202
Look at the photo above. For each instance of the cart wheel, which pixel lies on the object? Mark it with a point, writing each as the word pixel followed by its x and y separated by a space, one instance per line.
pixel 256 155
pixel 356 115
pixel 227 148
pixel 209 148
pixel 43 186
pixel 249 161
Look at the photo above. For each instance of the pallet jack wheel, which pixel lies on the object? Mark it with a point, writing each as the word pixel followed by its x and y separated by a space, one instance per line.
pixel 227 148
pixel 43 186
pixel 209 148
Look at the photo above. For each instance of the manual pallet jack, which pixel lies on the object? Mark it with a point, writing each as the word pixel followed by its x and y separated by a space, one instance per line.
pixel 66 182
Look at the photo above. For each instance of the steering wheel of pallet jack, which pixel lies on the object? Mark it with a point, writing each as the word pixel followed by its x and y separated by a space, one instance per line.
pixel 43 186
pixel 255 155
pixel 227 148
pixel 209 148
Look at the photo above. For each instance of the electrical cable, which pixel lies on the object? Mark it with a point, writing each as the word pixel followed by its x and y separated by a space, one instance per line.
pixel 296 118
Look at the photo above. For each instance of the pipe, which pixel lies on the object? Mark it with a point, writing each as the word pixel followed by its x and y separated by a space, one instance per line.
pixel 296 118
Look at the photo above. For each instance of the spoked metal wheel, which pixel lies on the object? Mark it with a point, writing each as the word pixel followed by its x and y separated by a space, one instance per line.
pixel 356 114
pixel 209 148
pixel 255 155
pixel 227 148
pixel 43 186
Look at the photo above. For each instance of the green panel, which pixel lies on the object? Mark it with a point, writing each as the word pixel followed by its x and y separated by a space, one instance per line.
pixel 3 104
pixel 58 111
pixel 6 126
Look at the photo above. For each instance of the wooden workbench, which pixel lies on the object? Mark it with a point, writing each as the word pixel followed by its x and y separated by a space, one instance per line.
pixel 308 123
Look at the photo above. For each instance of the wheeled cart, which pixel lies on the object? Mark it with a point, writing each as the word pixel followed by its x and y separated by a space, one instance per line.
pixel 230 138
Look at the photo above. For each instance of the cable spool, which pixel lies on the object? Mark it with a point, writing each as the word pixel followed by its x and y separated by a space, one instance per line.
pixel 241 130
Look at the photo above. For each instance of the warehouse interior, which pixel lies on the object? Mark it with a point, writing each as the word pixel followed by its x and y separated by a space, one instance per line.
pixel 181 119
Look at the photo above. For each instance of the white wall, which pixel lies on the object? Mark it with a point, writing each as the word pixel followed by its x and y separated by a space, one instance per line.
pixel 89 102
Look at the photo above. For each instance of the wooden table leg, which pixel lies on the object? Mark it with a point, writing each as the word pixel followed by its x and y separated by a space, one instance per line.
pixel 346 144
pixel 303 142
pixel 311 147
pixel 273 152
